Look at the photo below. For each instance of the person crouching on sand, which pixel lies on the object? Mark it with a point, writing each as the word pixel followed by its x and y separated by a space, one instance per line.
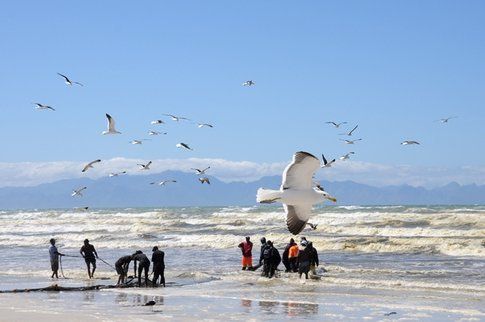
pixel 122 265
pixel 247 256
pixel 54 256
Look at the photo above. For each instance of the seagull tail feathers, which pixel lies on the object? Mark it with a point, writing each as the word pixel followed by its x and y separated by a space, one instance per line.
pixel 267 195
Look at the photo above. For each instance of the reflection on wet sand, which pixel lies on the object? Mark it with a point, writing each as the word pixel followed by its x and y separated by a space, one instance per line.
pixel 291 309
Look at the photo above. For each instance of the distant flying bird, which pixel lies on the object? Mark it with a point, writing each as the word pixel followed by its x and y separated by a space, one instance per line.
pixel 145 166
pixel 326 164
pixel 297 192
pixel 390 313
pixel 201 125
pixel 68 81
pixel 81 208
pixel 111 126
pixel 350 141
pixel 409 142
pixel 199 171
pixel 176 118
pixel 346 156
pixel 248 83
pixel 78 192
pixel 157 122
pixel 184 146
pixel 163 182
pixel 156 132
pixel 204 180
pixel 135 142
pixel 336 125
pixel 351 131
pixel 115 174
pixel 43 107
pixel 445 120
pixel 90 165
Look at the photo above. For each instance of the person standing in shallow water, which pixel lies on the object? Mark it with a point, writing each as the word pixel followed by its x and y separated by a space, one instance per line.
pixel 247 256
pixel 286 253
pixel 304 258
pixel 54 256
pixel 90 255
pixel 143 265
pixel 158 260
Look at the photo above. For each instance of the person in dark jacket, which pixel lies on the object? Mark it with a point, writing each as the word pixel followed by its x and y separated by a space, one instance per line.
pixel 121 266
pixel 158 260
pixel 143 265
pixel 271 260
pixel 263 246
pixel 313 259
pixel 304 259
pixel 286 260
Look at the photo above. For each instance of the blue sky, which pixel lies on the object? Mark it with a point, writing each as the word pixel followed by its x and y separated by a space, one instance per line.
pixel 391 67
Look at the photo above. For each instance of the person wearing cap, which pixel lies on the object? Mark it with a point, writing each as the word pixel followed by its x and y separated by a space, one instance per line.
pixel 89 254
pixel 304 257
pixel 54 257
pixel 158 260
pixel 247 256
pixel 286 253
pixel 143 265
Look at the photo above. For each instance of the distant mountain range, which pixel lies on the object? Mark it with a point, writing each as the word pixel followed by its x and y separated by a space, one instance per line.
pixel 135 191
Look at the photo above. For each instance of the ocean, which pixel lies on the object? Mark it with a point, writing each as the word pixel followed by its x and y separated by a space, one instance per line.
pixel 418 263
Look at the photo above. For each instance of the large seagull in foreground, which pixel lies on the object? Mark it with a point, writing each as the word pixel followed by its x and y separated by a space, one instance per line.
pixel 297 192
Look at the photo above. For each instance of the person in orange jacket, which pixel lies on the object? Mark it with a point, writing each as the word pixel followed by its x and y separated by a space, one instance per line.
pixel 247 256
pixel 293 258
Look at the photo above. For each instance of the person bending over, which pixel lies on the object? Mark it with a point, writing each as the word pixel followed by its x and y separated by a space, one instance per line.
pixel 121 266
pixel 143 265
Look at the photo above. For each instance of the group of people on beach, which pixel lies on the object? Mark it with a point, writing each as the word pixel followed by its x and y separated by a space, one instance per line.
pixel 88 252
pixel 302 259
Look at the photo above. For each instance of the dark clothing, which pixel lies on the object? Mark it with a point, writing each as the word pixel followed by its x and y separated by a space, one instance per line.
pixel 158 259
pixel 313 256
pixel 304 257
pixel 90 260
pixel 158 267
pixel 159 272
pixel 143 265
pixel 55 265
pixel 261 254
pixel 88 251
pixel 271 260
pixel 246 248
pixel 122 264
pixel 286 260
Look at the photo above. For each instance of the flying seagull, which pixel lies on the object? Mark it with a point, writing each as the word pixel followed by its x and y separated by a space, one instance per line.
pixel 137 142
pixel 68 81
pixel 43 107
pixel 184 146
pixel 296 192
pixel 78 192
pixel 145 166
pixel 346 156
pixel 326 164
pixel 90 165
pixel 151 132
pixel 157 122
pixel 351 131
pixel 81 208
pixel 248 83
pixel 336 125
pixel 204 180
pixel 445 120
pixel 115 174
pixel 350 141
pixel 111 126
pixel 200 171
pixel 409 142
pixel 163 182
pixel 176 118
pixel 201 125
